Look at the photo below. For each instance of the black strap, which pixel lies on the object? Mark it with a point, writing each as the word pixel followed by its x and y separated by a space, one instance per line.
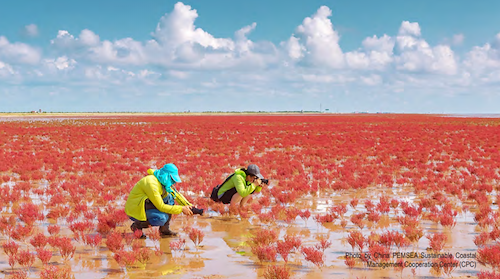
pixel 229 177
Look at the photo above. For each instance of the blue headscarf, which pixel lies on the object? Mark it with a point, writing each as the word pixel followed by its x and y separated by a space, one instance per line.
pixel 168 176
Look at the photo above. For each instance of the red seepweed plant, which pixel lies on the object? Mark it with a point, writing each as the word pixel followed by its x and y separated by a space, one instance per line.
pixel 10 248
pixel 277 272
pixel 178 245
pixel 114 241
pixel 314 256
pixel 437 241
pixel 196 236
pixel 489 255
pixel 441 162
pixel 44 255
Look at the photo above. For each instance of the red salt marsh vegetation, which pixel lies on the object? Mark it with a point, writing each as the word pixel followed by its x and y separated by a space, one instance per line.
pixel 351 196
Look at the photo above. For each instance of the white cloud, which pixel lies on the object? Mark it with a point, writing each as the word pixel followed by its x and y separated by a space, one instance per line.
pixel 319 41
pixel 409 29
pixel 18 52
pixel 377 54
pixel 6 70
pixel 458 39
pixel 178 28
pixel 60 63
pixel 371 80
pixel 31 30
pixel 311 59
pixel 88 38
pixel 294 49
pixel 484 59
pixel 414 54
pixel 178 74
pixel 382 44
pixel 66 41
pixel 124 51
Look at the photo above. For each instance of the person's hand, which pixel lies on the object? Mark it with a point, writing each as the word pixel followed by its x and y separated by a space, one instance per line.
pixel 257 181
pixel 187 210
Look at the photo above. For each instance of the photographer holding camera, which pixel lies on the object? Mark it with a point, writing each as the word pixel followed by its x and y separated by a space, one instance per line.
pixel 238 187
pixel 151 201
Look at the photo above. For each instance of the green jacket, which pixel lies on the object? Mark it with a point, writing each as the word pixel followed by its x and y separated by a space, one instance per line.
pixel 238 181
pixel 150 188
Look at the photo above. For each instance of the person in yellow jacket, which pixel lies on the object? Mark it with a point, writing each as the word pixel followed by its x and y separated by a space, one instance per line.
pixel 151 201
pixel 238 187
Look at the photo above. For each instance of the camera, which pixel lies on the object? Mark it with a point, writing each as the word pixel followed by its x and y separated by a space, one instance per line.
pixel 197 211
pixel 265 181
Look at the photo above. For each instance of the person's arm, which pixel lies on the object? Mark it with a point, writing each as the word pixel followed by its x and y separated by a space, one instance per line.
pixel 155 197
pixel 240 185
pixel 257 185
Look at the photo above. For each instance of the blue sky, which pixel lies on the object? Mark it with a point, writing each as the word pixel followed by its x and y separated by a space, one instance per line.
pixel 392 56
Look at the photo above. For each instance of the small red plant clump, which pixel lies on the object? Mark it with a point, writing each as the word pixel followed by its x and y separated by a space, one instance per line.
pixel 25 258
pixel 177 245
pixel 323 243
pixel 357 219
pixel 350 262
pixel 437 241
pixel 413 233
pixel 481 239
pixel 354 202
pixel 305 214
pixel 490 255
pixel 326 218
pixel 55 271
pixel 39 240
pixel 265 252
pixel 29 213
pixel 373 217
pixel 66 248
pixel 379 252
pixel 314 256
pixel 294 241
pixel 196 236
pixel 384 206
pixel 125 258
pixel 44 255
pixel 445 263
pixel 21 232
pixel 142 254
pixel 94 240
pixel 356 239
pixel 53 229
pixel 277 272
pixel 114 241
pixel 447 220
pixel 284 248
pixel 264 237
pixel 488 275
pixel 10 248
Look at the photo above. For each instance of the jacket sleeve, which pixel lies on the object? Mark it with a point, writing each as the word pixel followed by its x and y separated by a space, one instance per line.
pixel 180 199
pixel 155 197
pixel 241 187
pixel 257 188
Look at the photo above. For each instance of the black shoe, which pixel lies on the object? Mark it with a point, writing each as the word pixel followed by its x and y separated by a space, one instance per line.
pixel 134 227
pixel 167 233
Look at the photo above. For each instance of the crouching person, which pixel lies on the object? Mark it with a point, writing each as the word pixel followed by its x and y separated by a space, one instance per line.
pixel 151 201
pixel 238 187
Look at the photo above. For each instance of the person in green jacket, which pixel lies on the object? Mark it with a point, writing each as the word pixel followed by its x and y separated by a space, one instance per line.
pixel 151 201
pixel 238 188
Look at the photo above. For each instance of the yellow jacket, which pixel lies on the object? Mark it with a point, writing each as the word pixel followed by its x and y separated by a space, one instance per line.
pixel 150 188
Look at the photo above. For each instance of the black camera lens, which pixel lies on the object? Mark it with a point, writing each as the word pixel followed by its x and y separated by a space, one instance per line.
pixel 197 211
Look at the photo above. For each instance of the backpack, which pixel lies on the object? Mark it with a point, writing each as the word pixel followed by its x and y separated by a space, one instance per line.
pixel 214 196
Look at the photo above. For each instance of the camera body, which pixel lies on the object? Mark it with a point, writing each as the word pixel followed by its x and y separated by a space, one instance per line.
pixel 197 211
pixel 265 181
